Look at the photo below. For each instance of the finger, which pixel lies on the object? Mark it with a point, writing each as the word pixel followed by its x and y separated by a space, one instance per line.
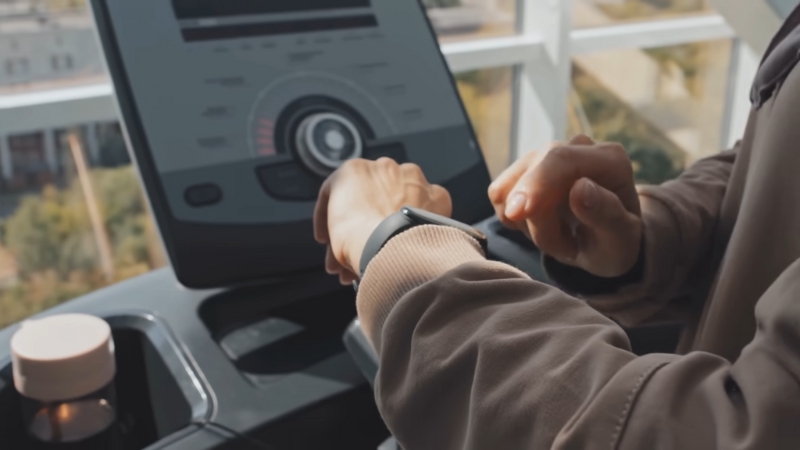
pixel 321 212
pixel 386 162
pixel 516 203
pixel 544 186
pixel 442 201
pixel 609 236
pixel 581 139
pixel 498 190
pixel 332 266
pixel 597 207
pixel 552 233
pixel 413 171
pixel 347 277
pixel 510 224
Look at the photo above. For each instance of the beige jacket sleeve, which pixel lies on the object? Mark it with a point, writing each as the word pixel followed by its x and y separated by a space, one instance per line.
pixel 476 355
pixel 680 221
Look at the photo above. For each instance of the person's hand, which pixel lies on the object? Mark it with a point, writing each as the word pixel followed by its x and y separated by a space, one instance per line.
pixel 356 198
pixel 578 203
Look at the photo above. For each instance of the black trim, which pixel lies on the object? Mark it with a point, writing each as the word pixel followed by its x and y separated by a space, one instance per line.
pixel 454 85
pixel 131 125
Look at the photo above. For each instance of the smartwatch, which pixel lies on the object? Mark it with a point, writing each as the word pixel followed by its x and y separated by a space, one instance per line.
pixel 406 219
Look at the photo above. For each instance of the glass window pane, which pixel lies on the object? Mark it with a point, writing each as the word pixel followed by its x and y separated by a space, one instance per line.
pixel 47 44
pixel 470 19
pixel 72 218
pixel 487 98
pixel 665 105
pixel 595 13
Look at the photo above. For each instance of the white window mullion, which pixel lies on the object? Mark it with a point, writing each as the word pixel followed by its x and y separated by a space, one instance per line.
pixel 544 82
pixel 491 53
pixel 744 65
pixel 650 34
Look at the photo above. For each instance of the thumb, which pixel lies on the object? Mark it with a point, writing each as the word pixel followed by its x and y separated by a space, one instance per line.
pixel 581 139
pixel 597 207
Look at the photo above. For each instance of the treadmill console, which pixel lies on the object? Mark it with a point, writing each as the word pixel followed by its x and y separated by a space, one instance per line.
pixel 237 110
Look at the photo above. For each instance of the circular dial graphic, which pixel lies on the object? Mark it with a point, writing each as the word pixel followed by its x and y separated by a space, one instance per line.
pixel 317 119
pixel 326 140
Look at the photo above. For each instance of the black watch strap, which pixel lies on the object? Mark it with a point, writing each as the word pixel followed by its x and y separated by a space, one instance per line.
pixel 404 220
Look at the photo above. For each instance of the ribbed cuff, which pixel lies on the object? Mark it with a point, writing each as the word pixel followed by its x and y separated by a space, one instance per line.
pixel 406 262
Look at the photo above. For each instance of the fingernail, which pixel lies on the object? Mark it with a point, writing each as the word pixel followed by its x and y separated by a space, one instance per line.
pixel 590 195
pixel 516 204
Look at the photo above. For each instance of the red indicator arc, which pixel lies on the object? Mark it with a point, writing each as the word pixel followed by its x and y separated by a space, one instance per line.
pixel 265 131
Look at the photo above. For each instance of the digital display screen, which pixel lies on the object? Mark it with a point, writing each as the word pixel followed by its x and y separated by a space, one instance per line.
pixel 276 28
pixel 198 9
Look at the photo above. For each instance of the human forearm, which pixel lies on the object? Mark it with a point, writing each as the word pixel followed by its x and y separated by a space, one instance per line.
pixel 474 354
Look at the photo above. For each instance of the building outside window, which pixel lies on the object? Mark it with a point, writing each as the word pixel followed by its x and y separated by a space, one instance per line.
pixel 29 168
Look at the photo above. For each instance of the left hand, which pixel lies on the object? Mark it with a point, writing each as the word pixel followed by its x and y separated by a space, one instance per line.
pixel 578 203
pixel 355 199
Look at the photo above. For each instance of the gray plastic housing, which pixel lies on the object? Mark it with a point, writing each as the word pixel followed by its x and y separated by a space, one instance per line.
pixel 232 209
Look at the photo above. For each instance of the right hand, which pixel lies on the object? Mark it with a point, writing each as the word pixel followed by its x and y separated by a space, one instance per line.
pixel 578 203
pixel 356 198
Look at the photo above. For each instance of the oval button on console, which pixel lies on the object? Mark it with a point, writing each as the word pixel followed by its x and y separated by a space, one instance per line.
pixel 288 182
pixel 203 195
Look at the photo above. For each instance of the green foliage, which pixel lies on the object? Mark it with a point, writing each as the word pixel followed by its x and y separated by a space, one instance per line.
pixel 125 214
pixel 688 58
pixel 51 237
pixel 652 165
pixel 654 156
pixel 638 9
pixel 441 3
pixel 51 231
pixel 485 82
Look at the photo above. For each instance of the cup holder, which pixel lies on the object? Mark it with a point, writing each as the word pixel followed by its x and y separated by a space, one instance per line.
pixel 154 399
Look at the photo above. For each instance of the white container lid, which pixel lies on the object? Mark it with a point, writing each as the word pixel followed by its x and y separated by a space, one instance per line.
pixel 62 357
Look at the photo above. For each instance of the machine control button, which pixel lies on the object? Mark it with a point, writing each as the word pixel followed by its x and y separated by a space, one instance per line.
pixel 395 150
pixel 326 140
pixel 288 182
pixel 203 195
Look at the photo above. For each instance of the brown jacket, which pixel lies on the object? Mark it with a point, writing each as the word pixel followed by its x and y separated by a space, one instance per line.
pixel 476 355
